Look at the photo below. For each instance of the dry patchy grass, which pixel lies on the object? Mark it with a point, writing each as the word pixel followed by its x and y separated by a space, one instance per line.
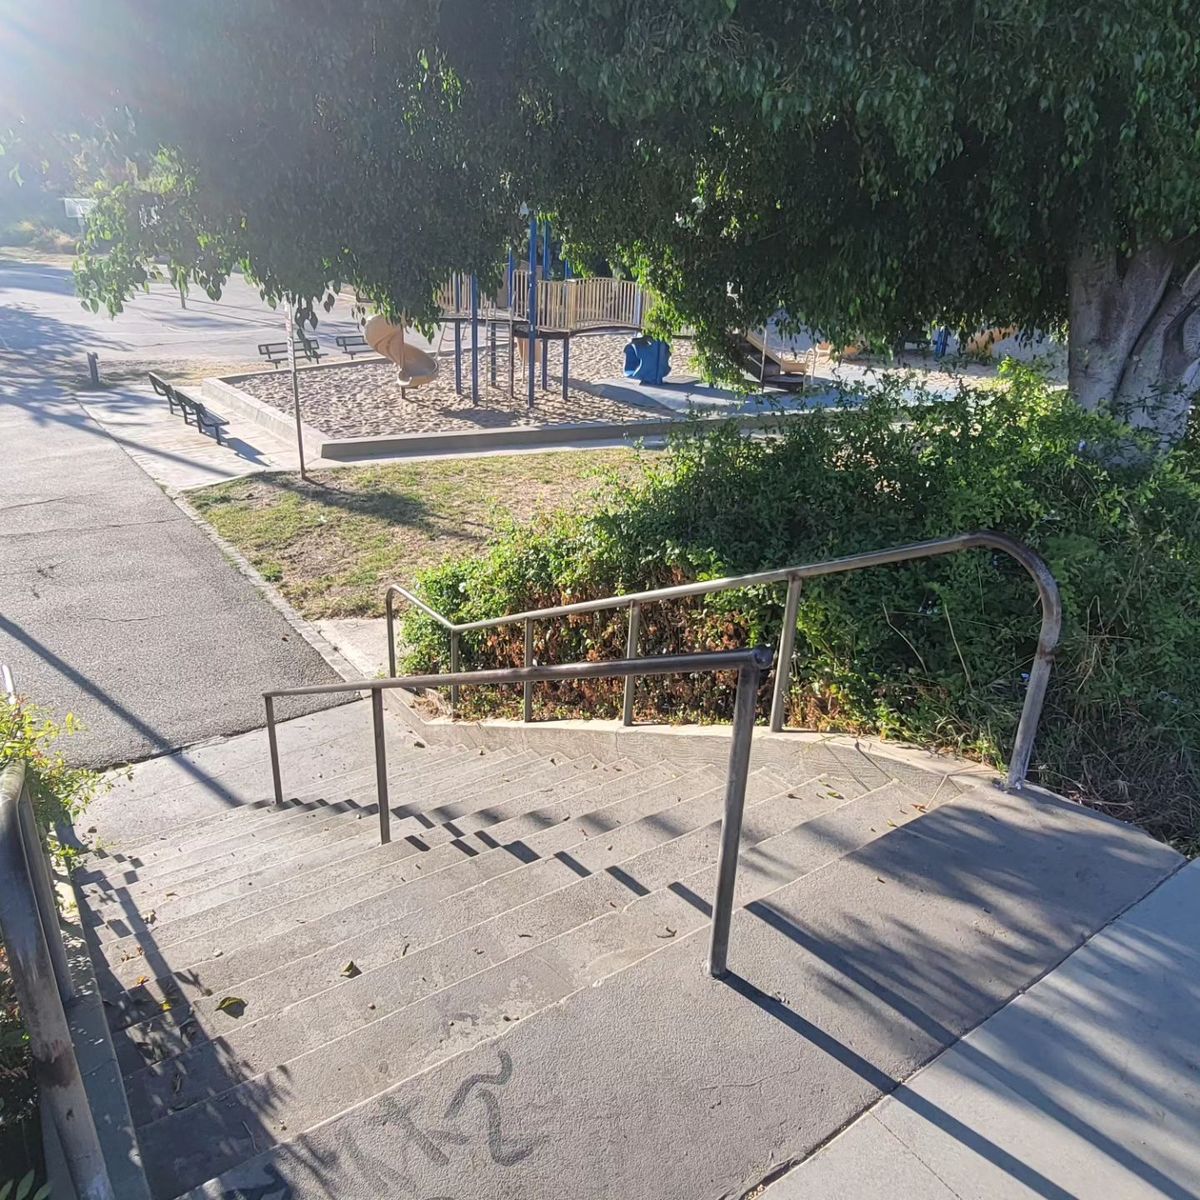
pixel 332 545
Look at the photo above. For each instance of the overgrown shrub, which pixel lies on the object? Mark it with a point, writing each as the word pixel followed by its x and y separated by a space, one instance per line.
pixel 933 652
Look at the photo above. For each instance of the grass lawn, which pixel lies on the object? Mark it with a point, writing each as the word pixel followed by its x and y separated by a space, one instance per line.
pixel 333 545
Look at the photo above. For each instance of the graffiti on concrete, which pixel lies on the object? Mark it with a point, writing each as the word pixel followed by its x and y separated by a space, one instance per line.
pixel 473 1117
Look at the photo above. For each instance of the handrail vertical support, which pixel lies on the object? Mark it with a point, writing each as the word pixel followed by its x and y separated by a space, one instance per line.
pixel 1035 694
pixel 528 690
pixel 273 743
pixel 381 780
pixel 631 651
pixel 390 609
pixel 453 671
pixel 744 706
pixel 783 659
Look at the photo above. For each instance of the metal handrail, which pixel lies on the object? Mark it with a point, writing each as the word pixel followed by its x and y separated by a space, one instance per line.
pixel 38 961
pixel 1035 690
pixel 749 664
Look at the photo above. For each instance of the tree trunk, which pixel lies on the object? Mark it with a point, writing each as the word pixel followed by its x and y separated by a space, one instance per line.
pixel 1135 335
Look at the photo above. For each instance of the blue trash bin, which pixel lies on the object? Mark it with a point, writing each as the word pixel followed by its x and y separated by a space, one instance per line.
pixel 647 360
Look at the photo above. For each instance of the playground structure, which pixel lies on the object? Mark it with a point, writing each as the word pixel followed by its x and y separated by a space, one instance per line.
pixel 414 367
pixel 535 311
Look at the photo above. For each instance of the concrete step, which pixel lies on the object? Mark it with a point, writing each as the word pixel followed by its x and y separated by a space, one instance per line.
pixel 219 903
pixel 301 820
pixel 164 795
pixel 656 915
pixel 311 957
pixel 262 817
pixel 193 940
pixel 153 1035
pixel 663 1082
pixel 123 915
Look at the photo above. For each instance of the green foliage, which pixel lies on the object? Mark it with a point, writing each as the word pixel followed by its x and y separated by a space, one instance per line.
pixel 868 168
pixel 24 1189
pixel 59 791
pixel 932 652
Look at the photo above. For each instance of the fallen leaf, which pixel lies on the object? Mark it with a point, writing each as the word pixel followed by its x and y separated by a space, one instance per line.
pixel 233 1005
pixel 140 980
pixel 150 917
pixel 351 969
pixel 893 823
pixel 165 1006
pixel 670 933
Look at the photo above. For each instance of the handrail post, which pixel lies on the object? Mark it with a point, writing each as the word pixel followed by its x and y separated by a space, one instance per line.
pixel 381 780
pixel 43 889
pixel 454 671
pixel 1039 678
pixel 390 610
pixel 273 743
pixel 528 689
pixel 783 660
pixel 631 651
pixel 744 706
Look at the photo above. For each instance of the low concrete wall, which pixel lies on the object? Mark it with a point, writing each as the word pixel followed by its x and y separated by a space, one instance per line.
pixel 101 1077
pixel 531 436
pixel 230 398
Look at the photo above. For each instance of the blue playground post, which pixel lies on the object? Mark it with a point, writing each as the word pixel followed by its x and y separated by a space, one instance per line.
pixel 457 336
pixel 567 343
pixel 533 232
pixel 545 275
pixel 474 340
pixel 512 305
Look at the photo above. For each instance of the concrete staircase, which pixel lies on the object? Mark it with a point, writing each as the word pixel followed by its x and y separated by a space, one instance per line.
pixel 507 1000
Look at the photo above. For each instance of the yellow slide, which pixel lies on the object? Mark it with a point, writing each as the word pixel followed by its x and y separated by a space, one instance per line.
pixel 413 367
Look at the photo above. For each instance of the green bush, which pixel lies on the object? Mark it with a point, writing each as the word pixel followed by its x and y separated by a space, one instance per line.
pixel 932 652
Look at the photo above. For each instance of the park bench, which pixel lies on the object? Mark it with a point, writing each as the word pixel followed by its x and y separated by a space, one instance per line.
pixel 353 343
pixel 277 352
pixel 205 420
pixel 165 390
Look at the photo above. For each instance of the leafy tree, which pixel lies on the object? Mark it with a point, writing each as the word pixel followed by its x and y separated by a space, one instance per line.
pixel 867 167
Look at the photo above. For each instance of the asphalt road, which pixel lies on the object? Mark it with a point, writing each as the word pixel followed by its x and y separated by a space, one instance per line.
pixel 114 605
pixel 40 313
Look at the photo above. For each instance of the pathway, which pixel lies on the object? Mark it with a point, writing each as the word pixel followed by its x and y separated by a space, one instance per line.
pixel 114 604
pixel 1087 1085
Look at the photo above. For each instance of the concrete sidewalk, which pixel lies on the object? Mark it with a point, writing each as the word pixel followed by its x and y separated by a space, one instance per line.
pixel 1087 1085
pixel 114 604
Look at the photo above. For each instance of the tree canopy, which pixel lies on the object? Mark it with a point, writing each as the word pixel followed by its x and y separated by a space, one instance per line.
pixel 865 167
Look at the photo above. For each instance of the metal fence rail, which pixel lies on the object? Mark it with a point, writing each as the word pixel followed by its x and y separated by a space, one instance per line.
pixel 38 961
pixel 1035 690
pixel 749 665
